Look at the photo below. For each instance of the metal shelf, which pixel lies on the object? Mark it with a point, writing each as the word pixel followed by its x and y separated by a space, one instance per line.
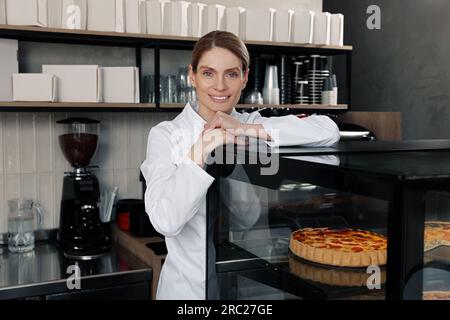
pixel 30 33
pixel 76 106
pixel 157 43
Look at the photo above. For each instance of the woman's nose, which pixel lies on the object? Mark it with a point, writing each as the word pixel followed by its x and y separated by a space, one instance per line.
pixel 220 84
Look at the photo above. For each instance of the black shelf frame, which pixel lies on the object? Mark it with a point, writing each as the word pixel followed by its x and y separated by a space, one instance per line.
pixel 157 43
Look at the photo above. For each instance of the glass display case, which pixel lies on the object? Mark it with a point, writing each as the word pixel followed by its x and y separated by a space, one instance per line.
pixel 398 191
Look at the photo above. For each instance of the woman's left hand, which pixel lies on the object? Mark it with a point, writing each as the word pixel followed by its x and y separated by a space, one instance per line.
pixel 226 122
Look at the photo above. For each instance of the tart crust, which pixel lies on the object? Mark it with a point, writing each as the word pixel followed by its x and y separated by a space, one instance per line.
pixel 315 250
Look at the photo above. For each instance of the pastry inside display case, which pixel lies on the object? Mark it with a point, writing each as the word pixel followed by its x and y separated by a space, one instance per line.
pixel 344 240
pixel 436 283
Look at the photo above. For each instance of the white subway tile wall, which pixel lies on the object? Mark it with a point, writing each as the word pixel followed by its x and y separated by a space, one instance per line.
pixel 32 164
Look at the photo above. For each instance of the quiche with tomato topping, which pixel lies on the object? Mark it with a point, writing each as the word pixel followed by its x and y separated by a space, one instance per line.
pixel 437 233
pixel 342 248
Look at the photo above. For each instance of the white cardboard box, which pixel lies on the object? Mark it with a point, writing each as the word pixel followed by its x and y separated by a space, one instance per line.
pixel 176 18
pixel 135 16
pixel 213 18
pixel 155 16
pixel 77 83
pixel 54 13
pixel 34 87
pixel 322 25
pixel 2 11
pixel 120 84
pixel 196 13
pixel 74 14
pixel 337 30
pixel 27 12
pixel 105 15
pixel 233 20
pixel 258 24
pixel 8 66
pixel 303 27
pixel 283 25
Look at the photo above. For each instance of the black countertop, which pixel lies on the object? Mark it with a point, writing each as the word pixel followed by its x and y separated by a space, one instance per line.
pixel 45 271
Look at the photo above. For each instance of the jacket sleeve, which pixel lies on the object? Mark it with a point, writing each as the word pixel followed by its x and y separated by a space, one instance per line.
pixel 175 191
pixel 312 131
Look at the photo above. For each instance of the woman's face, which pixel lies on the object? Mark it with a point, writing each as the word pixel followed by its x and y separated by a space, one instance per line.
pixel 219 81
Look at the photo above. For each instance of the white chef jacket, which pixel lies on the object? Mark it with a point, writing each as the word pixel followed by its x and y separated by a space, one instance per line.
pixel 175 199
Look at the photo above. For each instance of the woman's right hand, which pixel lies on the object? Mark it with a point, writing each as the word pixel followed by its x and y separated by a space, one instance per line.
pixel 210 140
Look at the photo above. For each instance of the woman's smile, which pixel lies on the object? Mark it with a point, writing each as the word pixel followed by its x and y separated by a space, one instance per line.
pixel 219 99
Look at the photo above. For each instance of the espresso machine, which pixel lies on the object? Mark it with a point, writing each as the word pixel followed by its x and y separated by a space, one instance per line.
pixel 81 234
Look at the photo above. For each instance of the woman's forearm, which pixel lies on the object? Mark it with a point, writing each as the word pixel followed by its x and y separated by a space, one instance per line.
pixel 255 131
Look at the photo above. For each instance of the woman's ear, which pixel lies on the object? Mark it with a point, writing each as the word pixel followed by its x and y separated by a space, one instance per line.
pixel 192 76
pixel 245 78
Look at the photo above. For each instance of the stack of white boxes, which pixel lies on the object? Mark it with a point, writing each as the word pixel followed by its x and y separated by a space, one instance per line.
pixel 8 66
pixel 120 84
pixel 27 12
pixel 135 16
pixel 196 13
pixel 257 24
pixel 74 14
pixel 302 27
pixel 155 14
pixel 177 18
pixel 283 25
pixel 77 83
pixel 234 17
pixel 106 15
pixel 213 18
pixel 337 30
pixel 322 28
pixel 2 11
pixel 34 87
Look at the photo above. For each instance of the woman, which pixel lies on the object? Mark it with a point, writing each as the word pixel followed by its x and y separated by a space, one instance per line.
pixel 177 183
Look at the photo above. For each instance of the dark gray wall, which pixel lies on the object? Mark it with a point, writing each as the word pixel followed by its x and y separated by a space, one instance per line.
pixel 405 66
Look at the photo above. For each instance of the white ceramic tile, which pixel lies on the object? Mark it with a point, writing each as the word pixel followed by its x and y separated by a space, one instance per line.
pixel 11 186
pixel 105 179
pixel 1 144
pixel 120 180
pixel 134 185
pixel 27 143
pixel 119 142
pixel 3 207
pixel 11 143
pixel 28 186
pixel 59 161
pixel 44 142
pixel 45 196
pixel 57 185
pixel 135 153
pixel 103 157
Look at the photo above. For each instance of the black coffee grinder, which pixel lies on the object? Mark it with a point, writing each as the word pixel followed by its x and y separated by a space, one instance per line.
pixel 81 234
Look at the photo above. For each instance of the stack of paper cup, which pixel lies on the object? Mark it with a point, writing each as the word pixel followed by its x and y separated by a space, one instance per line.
pixel 271 91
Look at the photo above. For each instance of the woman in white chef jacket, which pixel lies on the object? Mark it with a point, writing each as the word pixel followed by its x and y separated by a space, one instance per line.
pixel 174 168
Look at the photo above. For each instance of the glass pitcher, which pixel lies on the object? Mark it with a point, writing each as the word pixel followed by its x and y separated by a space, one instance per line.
pixel 21 224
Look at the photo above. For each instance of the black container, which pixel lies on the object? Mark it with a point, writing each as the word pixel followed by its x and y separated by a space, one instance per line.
pixel 129 206
pixel 140 225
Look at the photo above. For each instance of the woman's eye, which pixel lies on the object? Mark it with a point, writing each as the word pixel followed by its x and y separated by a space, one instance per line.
pixel 233 75
pixel 207 74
